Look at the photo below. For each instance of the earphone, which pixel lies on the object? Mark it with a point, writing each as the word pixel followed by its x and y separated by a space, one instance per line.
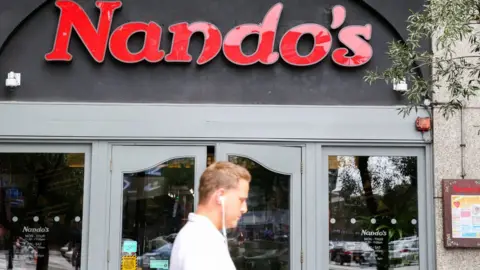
pixel 224 229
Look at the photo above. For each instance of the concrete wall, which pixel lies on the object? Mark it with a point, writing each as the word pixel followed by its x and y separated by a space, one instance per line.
pixel 448 160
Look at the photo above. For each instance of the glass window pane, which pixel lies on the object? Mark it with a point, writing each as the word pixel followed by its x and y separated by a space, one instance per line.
pixel 262 239
pixel 41 208
pixel 156 204
pixel 373 212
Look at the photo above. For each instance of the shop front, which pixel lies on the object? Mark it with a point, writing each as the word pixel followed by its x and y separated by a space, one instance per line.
pixel 122 105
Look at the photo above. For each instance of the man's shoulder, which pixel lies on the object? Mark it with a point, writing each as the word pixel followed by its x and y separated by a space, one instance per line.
pixel 189 243
pixel 189 228
pixel 195 236
pixel 192 231
pixel 195 248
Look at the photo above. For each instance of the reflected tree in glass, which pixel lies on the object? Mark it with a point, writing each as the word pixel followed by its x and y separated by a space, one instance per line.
pixel 380 194
pixel 49 186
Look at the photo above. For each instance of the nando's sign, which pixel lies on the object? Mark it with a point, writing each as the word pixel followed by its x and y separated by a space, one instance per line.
pixel 356 51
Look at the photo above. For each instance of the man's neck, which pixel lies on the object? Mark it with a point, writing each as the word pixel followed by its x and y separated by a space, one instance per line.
pixel 212 215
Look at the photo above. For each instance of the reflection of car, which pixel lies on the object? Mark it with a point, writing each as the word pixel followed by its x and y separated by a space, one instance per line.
pixel 369 258
pixel 404 251
pixel 157 242
pixel 348 252
pixel 162 253
pixel 161 248
pixel 69 255
pixel 171 237
pixel 65 249
pixel 260 254
pixel 261 241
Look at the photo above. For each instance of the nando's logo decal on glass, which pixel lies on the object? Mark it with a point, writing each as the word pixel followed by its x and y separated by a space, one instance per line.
pixel 96 39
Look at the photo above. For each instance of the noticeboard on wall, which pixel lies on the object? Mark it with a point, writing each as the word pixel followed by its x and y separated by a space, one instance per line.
pixel 461 213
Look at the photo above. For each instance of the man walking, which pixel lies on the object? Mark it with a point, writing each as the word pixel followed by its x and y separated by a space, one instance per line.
pixel 202 243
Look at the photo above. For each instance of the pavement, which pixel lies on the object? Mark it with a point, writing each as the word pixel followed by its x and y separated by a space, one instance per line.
pixel 22 262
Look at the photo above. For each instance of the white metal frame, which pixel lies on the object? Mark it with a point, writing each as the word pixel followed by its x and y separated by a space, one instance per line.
pixel 283 160
pixel 312 127
pixel 424 193
pixel 129 159
pixel 87 184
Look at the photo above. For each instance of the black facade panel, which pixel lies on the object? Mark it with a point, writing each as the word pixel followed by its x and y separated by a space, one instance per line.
pixel 26 40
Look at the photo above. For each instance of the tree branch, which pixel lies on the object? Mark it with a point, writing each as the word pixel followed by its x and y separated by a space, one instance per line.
pixel 447 60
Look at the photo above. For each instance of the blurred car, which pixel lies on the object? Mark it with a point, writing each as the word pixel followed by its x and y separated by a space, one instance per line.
pixel 69 255
pixel 162 253
pixel 348 252
pixel 160 249
pixel 404 251
pixel 65 249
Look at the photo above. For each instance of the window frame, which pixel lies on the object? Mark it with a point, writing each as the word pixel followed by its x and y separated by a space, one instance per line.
pixel 122 163
pixel 63 148
pixel 424 192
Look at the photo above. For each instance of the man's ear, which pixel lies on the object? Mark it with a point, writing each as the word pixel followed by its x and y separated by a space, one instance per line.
pixel 220 196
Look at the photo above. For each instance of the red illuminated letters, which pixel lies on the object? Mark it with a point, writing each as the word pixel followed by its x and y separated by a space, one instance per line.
pixel 72 17
pixel 349 36
pixel 288 45
pixel 150 52
pixel 182 32
pixel 232 46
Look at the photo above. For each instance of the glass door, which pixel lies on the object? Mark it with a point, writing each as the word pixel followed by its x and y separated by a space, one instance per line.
pixel 375 208
pixel 152 193
pixel 268 236
pixel 44 191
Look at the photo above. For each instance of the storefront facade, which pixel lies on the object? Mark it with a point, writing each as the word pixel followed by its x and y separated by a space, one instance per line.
pixel 456 157
pixel 104 150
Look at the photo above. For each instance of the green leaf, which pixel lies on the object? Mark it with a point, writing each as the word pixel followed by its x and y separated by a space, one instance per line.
pixel 381 227
pixel 447 22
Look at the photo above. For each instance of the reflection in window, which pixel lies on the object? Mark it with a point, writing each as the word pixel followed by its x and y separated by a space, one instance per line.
pixel 262 239
pixel 41 202
pixel 156 204
pixel 373 212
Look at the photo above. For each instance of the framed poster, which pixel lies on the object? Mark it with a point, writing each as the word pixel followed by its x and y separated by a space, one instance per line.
pixel 461 213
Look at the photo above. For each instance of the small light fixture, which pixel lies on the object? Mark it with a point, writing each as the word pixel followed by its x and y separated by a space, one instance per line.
pixel 13 80
pixel 400 85
pixel 423 124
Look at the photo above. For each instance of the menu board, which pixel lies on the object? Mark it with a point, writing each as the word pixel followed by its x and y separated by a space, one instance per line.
pixel 378 241
pixel 30 247
pixel 461 215
pixel 465 216
pixel 37 237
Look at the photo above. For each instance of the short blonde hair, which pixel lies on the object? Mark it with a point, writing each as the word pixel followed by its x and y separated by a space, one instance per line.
pixel 221 174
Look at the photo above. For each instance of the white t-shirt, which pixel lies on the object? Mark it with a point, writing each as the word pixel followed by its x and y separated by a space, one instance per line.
pixel 200 246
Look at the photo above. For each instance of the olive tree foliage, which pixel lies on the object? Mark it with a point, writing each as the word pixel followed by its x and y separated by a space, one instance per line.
pixel 448 23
